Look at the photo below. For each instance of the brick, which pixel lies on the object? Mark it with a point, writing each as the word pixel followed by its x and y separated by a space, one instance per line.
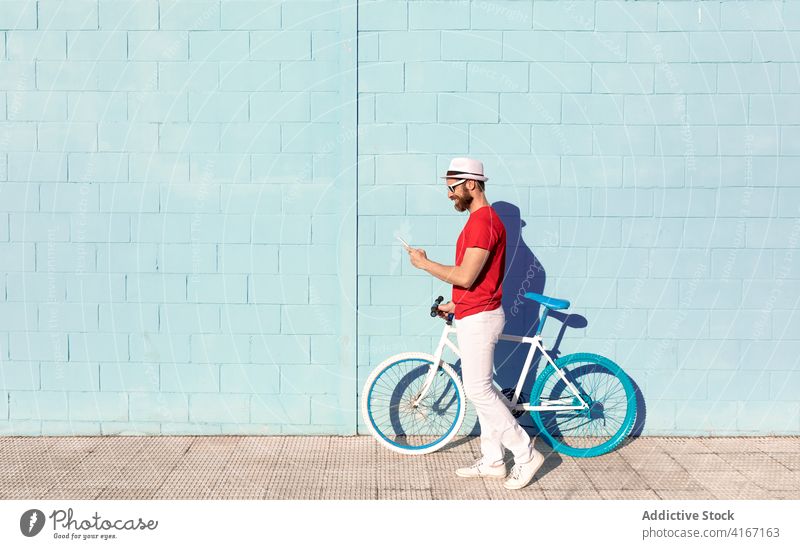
pixel 473 45
pixel 249 378
pixel 383 15
pixel 302 379
pixel 645 171
pixel 659 109
pixel 741 263
pixel 159 407
pixel 218 46
pixel 308 319
pixel 283 409
pixel 214 348
pixel 182 15
pixel 774 46
pixel 368 46
pixel 383 139
pixel 647 294
pixel 250 318
pixel 598 47
pixel 622 78
pixel 66 75
pixel 192 76
pixel 436 15
pixel 290 45
pixel 133 378
pixel 249 138
pixel 65 257
pixel 406 107
pixel 18 15
pixel 97 106
pixel 24 45
pixel 128 14
pixel 720 47
pixel 92 167
pixel 410 45
pixel 24 139
pixel 622 203
pixel 299 137
pixel 98 288
pixel 592 109
pixel 663 48
pixel 601 171
pixel 501 15
pixel 406 169
pixel 37 106
pixel 628 140
pixel 713 233
pixel 533 46
pixel 19 376
pixel 579 232
pixel 671 323
pixel 128 317
pixel 711 354
pixel 165 168
pixel 310 15
pixel 748 202
pixel 250 15
pixel 556 15
pixel 98 406
pixel 78 376
pixel 626 16
pixel 32 227
pixel 111 347
pixel 280 107
pixel 560 77
pixel 686 78
pixel 488 138
pixel 116 137
pixel 134 76
pixel 37 346
pixel 217 288
pixel 37 405
pixel 679 263
pixel 497 76
pixel 189 318
pixel 281 349
pixel 97 45
pixel 277 289
pixel 677 16
pixel 560 139
pixel 437 138
pixel 224 169
pixel 190 378
pixel 159 348
pixel 311 259
pixel 62 317
pixel 712 294
pixel 770 109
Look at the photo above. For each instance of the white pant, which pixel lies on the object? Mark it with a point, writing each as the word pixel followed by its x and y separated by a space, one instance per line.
pixel 477 336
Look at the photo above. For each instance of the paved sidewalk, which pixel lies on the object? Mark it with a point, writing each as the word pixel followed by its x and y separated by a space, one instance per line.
pixel 247 467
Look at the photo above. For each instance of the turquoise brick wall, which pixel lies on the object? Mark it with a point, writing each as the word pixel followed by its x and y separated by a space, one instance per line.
pixel 651 149
pixel 200 199
pixel 176 207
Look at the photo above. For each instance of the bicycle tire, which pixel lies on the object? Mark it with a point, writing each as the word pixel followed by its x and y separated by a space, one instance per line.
pixel 580 433
pixel 386 409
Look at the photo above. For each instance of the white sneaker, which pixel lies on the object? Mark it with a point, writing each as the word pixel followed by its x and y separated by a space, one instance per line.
pixel 522 473
pixel 481 469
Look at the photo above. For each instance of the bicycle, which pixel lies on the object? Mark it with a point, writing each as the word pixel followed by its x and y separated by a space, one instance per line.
pixel 583 404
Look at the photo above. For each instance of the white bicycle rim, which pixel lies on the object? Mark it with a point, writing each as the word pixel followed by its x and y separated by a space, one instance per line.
pixel 374 375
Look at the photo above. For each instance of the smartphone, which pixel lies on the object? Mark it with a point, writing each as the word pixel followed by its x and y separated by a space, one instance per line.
pixel 403 242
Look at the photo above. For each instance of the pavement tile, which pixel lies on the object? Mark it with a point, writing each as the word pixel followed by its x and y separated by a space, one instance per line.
pixel 628 494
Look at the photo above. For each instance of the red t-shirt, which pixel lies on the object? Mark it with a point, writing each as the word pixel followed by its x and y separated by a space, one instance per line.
pixel 483 230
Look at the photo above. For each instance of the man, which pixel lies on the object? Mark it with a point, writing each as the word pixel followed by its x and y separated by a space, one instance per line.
pixel 477 279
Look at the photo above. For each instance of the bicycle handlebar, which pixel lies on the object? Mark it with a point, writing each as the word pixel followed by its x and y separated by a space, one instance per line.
pixel 435 311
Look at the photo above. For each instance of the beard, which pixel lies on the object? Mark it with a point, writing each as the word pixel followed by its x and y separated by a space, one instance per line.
pixel 462 203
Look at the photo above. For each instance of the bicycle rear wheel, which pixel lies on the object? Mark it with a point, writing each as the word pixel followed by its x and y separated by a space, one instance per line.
pixel 389 409
pixel 593 431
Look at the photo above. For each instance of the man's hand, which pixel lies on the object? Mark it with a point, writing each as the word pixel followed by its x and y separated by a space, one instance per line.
pixel 446 308
pixel 418 257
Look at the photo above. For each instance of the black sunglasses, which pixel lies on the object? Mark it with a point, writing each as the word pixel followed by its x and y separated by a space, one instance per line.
pixel 452 188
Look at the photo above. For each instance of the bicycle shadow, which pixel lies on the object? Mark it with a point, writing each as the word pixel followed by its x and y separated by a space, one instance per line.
pixel 525 273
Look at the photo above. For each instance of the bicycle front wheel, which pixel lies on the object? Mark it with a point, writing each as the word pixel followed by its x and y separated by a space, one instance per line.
pixel 597 429
pixel 395 414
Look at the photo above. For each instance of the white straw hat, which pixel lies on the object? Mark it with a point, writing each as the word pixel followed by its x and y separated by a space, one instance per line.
pixel 465 168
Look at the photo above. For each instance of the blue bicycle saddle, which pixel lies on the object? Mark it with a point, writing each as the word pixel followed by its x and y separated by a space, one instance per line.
pixel 549 302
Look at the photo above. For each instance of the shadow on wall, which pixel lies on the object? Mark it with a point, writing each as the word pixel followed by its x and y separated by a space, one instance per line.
pixel 525 273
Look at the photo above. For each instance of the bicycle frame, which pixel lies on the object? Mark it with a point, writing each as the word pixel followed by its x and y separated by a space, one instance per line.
pixel 536 343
